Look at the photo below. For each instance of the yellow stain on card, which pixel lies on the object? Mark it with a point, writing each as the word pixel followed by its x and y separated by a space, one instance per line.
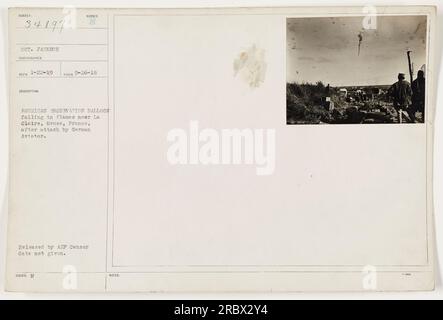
pixel 250 66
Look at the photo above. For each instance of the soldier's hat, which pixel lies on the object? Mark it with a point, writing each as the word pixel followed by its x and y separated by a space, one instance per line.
pixel 401 75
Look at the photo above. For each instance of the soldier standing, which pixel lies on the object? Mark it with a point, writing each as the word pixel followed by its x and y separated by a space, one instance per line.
pixel 401 94
pixel 418 95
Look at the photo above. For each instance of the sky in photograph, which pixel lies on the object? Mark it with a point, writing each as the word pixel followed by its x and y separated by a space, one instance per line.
pixel 326 49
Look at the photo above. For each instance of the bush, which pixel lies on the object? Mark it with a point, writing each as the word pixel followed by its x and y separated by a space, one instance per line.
pixel 304 103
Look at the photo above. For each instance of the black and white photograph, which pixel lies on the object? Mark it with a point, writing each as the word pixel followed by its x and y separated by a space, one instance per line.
pixel 145 153
pixel 352 70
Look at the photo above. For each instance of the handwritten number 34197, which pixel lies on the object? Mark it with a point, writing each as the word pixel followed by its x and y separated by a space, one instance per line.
pixel 51 25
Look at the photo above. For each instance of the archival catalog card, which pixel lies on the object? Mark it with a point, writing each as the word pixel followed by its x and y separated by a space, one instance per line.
pixel 221 150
